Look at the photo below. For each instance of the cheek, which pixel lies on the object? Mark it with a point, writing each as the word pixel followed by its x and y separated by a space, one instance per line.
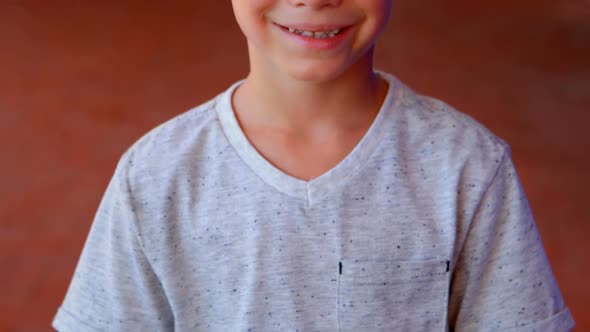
pixel 379 13
pixel 242 14
pixel 377 10
pixel 251 16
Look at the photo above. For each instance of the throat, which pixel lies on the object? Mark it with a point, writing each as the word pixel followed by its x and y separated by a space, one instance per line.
pixel 304 157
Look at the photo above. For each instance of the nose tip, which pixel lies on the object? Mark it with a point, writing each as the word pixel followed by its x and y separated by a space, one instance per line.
pixel 316 3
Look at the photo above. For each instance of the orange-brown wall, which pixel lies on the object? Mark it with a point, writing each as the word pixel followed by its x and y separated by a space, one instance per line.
pixel 81 80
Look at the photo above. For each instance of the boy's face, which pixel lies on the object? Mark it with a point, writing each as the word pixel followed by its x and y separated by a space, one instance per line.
pixel 311 40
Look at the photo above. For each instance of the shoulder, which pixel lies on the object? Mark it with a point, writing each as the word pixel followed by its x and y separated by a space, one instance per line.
pixel 436 130
pixel 172 147
pixel 169 137
pixel 444 122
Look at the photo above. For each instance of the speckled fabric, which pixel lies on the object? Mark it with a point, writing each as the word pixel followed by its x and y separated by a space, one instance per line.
pixel 423 227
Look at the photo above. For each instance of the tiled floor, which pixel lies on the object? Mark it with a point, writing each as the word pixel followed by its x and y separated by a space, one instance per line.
pixel 81 80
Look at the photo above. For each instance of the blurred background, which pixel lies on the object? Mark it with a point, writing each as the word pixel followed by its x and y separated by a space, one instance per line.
pixel 80 81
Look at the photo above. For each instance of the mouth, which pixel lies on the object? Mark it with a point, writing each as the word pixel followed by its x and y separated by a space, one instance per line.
pixel 315 33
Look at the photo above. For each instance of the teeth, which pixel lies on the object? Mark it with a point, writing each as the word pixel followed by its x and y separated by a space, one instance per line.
pixel 317 35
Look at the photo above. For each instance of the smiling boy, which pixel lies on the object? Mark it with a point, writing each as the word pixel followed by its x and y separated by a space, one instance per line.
pixel 315 195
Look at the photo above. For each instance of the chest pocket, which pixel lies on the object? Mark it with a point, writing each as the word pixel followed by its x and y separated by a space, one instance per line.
pixel 387 295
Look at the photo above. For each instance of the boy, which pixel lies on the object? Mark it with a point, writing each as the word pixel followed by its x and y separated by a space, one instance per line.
pixel 315 195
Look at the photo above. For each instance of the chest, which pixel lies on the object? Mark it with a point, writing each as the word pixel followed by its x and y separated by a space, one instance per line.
pixel 327 268
pixel 244 255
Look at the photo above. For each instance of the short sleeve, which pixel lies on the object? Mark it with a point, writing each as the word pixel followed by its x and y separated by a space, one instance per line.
pixel 114 287
pixel 502 279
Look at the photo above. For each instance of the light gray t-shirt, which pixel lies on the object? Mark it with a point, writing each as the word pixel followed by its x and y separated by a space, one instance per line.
pixel 422 227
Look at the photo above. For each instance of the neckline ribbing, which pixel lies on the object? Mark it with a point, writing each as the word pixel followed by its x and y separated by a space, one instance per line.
pixel 314 189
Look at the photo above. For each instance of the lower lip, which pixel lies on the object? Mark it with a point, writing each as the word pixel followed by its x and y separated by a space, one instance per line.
pixel 316 43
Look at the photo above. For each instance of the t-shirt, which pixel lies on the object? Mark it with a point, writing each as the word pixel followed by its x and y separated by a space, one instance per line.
pixel 422 227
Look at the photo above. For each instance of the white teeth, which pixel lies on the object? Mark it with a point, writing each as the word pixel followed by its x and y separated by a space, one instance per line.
pixel 317 35
pixel 320 35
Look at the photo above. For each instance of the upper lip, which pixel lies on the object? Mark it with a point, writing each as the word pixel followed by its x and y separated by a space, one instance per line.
pixel 314 27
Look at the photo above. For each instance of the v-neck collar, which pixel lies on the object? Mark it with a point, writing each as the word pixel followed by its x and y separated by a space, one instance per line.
pixel 314 189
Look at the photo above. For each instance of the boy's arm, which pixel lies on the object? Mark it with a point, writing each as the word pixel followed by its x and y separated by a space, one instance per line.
pixel 114 287
pixel 502 279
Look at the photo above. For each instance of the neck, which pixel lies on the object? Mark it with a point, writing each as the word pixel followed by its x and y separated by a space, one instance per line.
pixel 277 100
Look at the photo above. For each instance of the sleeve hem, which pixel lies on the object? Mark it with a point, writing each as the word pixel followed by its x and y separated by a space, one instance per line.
pixel 65 321
pixel 560 322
